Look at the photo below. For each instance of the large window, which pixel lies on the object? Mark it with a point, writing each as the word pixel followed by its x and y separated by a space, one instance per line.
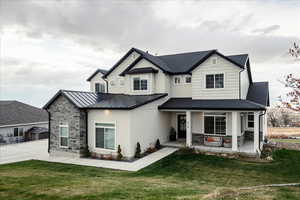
pixel 140 84
pixel 214 81
pixel 105 136
pixel 215 124
pixel 64 135
pixel 99 87
pixel 250 120
pixel 15 132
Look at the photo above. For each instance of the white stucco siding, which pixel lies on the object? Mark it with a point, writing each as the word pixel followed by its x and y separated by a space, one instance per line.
pixel 180 90
pixel 121 120
pixel 244 84
pixel 115 78
pixel 231 80
pixel 147 124
pixel 97 79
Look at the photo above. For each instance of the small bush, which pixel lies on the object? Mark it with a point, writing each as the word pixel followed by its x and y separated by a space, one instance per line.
pixel 157 144
pixel 150 150
pixel 119 156
pixel 138 151
pixel 86 152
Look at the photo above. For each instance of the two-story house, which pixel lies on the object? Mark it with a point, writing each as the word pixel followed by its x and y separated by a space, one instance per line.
pixel 208 98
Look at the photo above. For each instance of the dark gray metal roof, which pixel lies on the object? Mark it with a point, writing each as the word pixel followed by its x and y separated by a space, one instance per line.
pixel 15 112
pixel 180 63
pixel 103 71
pixel 259 93
pixel 37 130
pixel 143 70
pixel 210 104
pixel 91 100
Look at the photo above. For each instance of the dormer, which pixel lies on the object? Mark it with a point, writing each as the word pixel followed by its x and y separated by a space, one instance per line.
pixel 97 83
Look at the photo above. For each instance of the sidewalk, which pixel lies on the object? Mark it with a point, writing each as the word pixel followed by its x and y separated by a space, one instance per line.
pixel 37 150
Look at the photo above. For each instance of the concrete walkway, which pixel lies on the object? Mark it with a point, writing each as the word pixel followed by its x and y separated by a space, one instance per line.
pixel 37 150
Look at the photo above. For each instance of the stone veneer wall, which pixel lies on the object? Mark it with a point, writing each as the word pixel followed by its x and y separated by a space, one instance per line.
pixel 62 111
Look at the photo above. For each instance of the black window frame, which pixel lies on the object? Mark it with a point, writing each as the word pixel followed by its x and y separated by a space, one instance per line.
pixel 214 81
pixel 188 79
pixel 140 84
pixel 214 126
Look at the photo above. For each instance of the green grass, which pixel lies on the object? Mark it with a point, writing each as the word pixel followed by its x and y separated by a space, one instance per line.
pixel 286 140
pixel 179 176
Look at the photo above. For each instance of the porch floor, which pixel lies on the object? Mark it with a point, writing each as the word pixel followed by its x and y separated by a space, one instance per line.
pixel 246 148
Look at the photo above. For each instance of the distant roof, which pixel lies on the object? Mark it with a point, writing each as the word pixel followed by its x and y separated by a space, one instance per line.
pixel 91 100
pixel 180 63
pixel 103 71
pixel 258 92
pixel 15 112
pixel 257 99
pixel 37 130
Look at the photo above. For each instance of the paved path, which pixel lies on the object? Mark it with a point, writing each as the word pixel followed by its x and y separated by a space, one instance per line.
pixel 38 150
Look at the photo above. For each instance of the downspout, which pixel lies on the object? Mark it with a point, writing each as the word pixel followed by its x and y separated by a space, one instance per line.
pixel 49 129
pixel 240 84
pixel 106 85
pixel 259 128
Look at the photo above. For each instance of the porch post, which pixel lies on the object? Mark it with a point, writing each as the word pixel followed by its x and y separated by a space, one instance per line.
pixel 265 126
pixel 188 129
pixel 256 131
pixel 234 131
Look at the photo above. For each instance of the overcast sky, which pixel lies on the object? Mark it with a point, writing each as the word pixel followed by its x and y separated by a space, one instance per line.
pixel 51 45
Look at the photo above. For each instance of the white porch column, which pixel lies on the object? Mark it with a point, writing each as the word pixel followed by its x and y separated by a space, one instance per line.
pixel 188 129
pixel 234 130
pixel 256 131
pixel 265 128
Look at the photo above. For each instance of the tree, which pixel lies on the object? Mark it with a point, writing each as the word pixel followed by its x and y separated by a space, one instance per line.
pixel 291 100
pixel 274 117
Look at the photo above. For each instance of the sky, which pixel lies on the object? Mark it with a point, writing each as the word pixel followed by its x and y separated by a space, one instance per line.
pixel 50 45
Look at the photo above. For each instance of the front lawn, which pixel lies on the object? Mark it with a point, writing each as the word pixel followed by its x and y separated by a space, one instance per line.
pixel 179 176
pixel 286 140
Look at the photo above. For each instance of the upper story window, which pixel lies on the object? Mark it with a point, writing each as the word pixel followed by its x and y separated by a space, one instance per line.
pixel 140 84
pixel 214 81
pixel 99 87
pixel 177 80
pixel 188 79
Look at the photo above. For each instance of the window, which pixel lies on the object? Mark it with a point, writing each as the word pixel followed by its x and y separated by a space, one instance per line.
pixel 250 120
pixel 99 87
pixel 215 81
pixel 21 132
pixel 15 132
pixel 140 84
pixel 177 80
pixel 105 135
pixel 64 135
pixel 215 124
pixel 188 79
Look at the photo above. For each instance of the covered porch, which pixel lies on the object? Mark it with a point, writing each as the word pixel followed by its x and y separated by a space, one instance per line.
pixel 220 131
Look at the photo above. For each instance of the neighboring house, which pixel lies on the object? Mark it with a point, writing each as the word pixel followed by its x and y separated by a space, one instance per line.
pixel 19 120
pixel 207 97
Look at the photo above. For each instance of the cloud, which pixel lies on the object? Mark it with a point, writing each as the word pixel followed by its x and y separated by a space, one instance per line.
pixel 57 44
pixel 267 30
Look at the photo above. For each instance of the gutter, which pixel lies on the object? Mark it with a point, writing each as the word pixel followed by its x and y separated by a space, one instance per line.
pixel 259 128
pixel 106 84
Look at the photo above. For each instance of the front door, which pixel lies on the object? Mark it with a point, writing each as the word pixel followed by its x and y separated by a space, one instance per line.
pixel 181 126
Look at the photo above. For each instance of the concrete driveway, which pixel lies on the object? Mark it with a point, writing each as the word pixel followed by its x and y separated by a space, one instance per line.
pixel 24 151
pixel 38 150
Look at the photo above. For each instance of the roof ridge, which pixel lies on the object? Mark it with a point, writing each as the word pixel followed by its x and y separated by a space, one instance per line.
pixel 62 90
pixel 188 52
pixel 242 54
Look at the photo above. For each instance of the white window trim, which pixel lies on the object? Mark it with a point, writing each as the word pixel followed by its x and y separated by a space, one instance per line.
pixel 208 73
pixel 65 126
pixel 105 122
pixel 214 58
pixel 179 80
pixel 141 78
pixel 215 115
pixel 247 127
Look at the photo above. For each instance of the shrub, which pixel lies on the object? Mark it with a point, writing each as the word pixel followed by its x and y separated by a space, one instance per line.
pixel 150 150
pixel 86 152
pixel 119 156
pixel 157 144
pixel 172 134
pixel 138 151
